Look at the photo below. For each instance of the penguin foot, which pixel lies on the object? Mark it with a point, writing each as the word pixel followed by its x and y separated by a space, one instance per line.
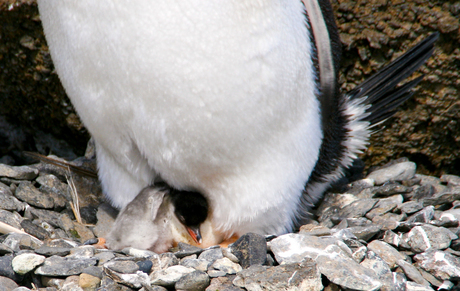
pixel 229 241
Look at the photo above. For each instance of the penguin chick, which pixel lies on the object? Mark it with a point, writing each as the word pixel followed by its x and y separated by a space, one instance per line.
pixel 160 217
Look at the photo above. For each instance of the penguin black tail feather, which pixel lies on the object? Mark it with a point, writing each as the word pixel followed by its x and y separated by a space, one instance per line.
pixel 380 90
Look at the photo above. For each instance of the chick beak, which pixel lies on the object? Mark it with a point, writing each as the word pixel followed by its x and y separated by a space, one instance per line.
pixel 194 232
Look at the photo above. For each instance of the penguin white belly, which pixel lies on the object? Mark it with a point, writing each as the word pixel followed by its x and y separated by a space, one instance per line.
pixel 213 96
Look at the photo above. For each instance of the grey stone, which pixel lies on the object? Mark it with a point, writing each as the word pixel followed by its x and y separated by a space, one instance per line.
pixel 25 263
pixel 444 198
pixel 5 249
pixel 18 172
pixel 411 207
pixel 34 229
pixel 185 250
pixel 83 252
pixel 451 214
pixel 293 248
pixel 424 215
pixel 380 268
pixel 391 238
pixel 51 183
pixel 359 185
pixel 211 255
pixel 344 271
pixel 51 217
pixel 6 284
pixel 352 222
pixel 316 230
pixel 145 266
pixel 333 262
pixel 107 284
pixel 226 252
pixel 6 268
pixel 224 265
pixel 21 289
pixel 412 286
pixel 20 241
pixel 304 276
pixel 8 201
pixel 451 180
pixel 71 283
pixel 122 266
pixel 28 193
pixel 104 257
pixel 135 280
pixel 365 232
pixel 422 238
pixel 197 264
pixel 93 271
pixel 397 172
pixel 335 200
pixel 194 281
pixel 356 209
pixel 223 284
pixel 250 249
pixel 433 181
pixel 385 205
pixel 441 264
pixel 169 276
pixel 58 266
pixel 389 221
pixel 388 253
pixel 412 273
pixel 423 192
pixel 390 189
pixel 430 278
pixel 52 251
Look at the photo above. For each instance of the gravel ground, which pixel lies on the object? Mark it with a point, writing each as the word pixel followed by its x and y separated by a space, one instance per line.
pixel 392 230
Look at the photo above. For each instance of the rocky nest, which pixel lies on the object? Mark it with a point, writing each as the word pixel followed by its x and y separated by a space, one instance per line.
pixel 393 230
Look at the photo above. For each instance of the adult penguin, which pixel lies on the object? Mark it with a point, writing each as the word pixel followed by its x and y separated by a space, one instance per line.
pixel 224 98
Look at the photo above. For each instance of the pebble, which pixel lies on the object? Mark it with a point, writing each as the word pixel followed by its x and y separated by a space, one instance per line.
pixel 169 276
pixel 89 282
pixel 388 253
pixel 7 284
pixel 25 263
pixel 396 233
pixel 26 192
pixel 223 267
pixel 64 266
pixel 250 249
pixel 424 237
pixel 396 172
pixel 439 263
pixel 304 276
pixel 18 173
pixel 194 281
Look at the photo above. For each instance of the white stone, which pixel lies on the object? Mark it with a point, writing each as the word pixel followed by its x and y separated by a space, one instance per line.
pixel 25 263
pixel 169 276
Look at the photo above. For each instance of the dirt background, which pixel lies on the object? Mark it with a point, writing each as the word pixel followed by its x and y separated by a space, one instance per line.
pixel 36 115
